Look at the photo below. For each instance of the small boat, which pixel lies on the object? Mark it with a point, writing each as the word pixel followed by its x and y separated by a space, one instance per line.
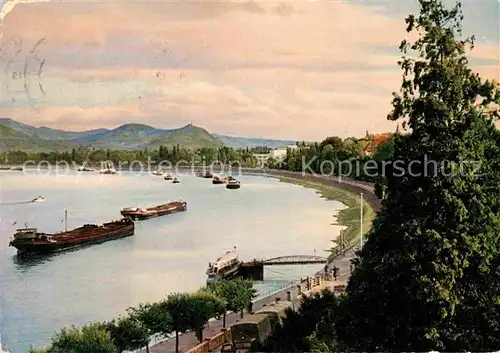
pixel 135 213
pixel 158 172
pixel 175 181
pixel 168 177
pixel 17 169
pixel 108 169
pixel 84 169
pixel 219 180
pixel 37 199
pixel 233 184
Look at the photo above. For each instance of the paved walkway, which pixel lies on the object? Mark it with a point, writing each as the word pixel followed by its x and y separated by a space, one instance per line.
pixel 189 340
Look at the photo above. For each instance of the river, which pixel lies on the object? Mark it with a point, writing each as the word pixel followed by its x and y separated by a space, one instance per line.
pixel 263 219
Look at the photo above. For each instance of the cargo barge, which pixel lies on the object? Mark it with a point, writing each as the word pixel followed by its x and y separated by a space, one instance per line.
pixel 30 240
pixel 136 214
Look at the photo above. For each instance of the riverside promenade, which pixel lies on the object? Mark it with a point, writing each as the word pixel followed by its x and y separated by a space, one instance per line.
pixel 188 340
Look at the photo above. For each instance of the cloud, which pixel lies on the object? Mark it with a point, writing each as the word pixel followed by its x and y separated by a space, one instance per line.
pixel 9 5
pixel 292 69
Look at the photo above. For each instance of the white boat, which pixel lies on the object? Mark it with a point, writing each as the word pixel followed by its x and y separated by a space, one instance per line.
pixel 1 349
pixel 108 171
pixel 17 169
pixel 158 172
pixel 85 169
pixel 225 266
pixel 37 199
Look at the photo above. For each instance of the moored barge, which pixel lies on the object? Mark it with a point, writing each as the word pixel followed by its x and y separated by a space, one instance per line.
pixel 137 214
pixel 30 240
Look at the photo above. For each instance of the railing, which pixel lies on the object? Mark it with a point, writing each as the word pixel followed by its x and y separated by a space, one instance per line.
pixel 295 289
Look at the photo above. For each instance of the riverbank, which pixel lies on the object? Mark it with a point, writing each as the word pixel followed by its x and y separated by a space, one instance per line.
pixel 348 217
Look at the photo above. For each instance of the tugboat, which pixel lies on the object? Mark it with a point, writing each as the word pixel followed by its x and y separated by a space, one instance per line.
pixel 30 240
pixel 37 199
pixel 168 177
pixel 233 184
pixel 175 181
pixel 170 207
pixel 224 267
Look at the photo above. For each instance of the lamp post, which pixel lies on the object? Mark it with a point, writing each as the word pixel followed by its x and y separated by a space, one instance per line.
pixel 361 223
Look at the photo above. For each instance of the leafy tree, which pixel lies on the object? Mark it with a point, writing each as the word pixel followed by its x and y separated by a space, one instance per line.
pixel 179 308
pixel 202 307
pixel 128 334
pixel 236 294
pixel 155 318
pixel 427 277
pixel 89 338
pixel 335 141
pixel 293 335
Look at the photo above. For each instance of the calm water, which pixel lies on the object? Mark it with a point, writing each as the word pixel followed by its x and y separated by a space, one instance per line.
pixel 264 219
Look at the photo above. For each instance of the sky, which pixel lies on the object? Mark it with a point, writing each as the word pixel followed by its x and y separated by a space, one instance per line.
pixel 299 70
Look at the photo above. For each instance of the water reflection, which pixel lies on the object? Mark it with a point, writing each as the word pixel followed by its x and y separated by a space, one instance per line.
pixel 24 262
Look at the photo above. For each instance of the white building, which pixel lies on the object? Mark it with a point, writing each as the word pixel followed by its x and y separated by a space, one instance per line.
pixel 277 153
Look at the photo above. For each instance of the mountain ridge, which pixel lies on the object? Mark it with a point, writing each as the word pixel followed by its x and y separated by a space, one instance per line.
pixel 130 136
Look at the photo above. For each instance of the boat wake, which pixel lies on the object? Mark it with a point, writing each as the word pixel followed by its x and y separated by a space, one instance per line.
pixel 16 203
pixel 35 200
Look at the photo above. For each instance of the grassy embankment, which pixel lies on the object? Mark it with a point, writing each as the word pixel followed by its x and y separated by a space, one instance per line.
pixel 348 217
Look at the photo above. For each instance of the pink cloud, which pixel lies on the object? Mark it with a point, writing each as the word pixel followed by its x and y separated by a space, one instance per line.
pixel 298 70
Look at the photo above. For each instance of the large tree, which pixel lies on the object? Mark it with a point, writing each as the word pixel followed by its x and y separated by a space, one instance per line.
pixel 128 334
pixel 89 338
pixel 203 306
pixel 236 293
pixel 427 277
pixel 178 306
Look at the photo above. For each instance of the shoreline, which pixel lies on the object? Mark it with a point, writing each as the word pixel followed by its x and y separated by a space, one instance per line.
pixel 348 217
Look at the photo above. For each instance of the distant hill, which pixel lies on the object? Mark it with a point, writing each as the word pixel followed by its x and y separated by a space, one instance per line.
pixel 46 133
pixel 242 142
pixel 14 139
pixel 17 135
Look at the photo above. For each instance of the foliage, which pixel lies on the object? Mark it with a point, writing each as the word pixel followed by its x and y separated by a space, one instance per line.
pixel 293 335
pixel 427 277
pixel 203 306
pixel 173 154
pixel 89 338
pixel 153 317
pixel 128 334
pixel 179 307
pixel 236 293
